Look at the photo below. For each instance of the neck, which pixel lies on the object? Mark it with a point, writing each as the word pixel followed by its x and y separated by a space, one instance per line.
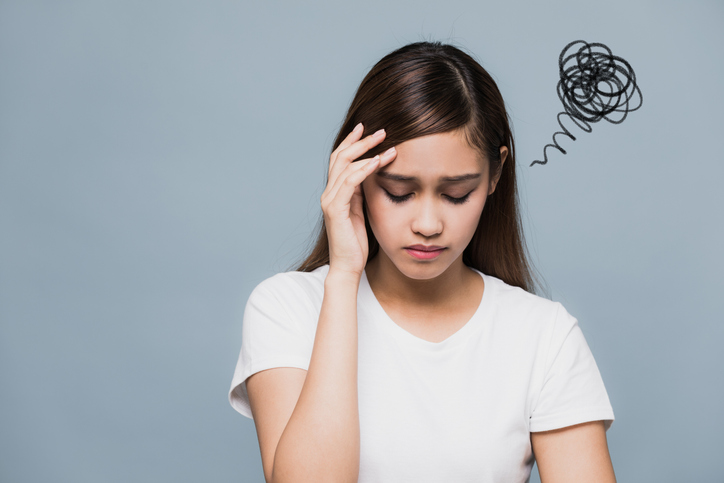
pixel 394 287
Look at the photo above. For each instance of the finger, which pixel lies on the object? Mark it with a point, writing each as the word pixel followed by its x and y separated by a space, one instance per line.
pixel 382 160
pixel 354 136
pixel 351 168
pixel 357 149
pixel 343 189
pixel 387 157
pixel 353 151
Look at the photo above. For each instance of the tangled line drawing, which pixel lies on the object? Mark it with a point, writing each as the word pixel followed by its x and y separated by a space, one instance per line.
pixel 594 84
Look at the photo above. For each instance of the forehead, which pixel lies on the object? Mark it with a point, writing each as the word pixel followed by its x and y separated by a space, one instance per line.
pixel 435 156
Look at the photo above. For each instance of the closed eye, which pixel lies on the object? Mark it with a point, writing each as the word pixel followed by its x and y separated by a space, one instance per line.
pixel 403 198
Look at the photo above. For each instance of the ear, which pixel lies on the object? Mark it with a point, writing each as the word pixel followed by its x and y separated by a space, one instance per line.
pixel 496 175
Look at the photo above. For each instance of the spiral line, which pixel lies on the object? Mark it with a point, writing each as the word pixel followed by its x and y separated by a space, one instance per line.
pixel 594 84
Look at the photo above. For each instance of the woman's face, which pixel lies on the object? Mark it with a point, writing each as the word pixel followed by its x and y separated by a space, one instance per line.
pixel 431 196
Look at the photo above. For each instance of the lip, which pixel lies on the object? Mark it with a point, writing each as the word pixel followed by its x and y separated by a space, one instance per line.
pixel 425 248
pixel 424 252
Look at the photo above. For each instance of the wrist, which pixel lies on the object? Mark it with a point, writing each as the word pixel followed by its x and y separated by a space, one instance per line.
pixel 338 276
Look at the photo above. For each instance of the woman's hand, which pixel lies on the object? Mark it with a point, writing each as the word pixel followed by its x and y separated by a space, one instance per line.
pixel 342 199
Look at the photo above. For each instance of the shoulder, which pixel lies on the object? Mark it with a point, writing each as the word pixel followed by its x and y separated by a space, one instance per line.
pixel 511 298
pixel 292 288
pixel 287 301
pixel 526 313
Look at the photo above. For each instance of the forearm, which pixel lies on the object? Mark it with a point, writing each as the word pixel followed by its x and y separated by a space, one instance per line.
pixel 321 440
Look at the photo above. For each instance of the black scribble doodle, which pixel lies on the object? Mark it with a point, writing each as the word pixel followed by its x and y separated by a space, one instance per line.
pixel 594 85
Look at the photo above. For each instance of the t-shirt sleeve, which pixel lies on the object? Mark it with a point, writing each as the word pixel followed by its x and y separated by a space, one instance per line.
pixel 572 391
pixel 275 333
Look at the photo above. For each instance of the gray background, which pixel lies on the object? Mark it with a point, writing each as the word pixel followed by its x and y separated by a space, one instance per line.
pixel 159 159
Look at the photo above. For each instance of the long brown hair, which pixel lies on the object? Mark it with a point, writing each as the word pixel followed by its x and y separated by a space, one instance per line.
pixel 428 88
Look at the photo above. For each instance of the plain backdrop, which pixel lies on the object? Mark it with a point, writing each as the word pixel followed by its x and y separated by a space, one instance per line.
pixel 158 159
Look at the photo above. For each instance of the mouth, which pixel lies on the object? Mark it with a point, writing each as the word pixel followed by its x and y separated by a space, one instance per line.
pixel 424 252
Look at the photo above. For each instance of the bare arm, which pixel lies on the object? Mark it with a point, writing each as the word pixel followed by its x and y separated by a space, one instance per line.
pixel 321 441
pixel 308 422
pixel 573 454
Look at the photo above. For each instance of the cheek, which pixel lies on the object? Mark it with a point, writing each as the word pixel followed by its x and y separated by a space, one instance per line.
pixel 373 206
pixel 379 216
pixel 469 221
pixel 386 221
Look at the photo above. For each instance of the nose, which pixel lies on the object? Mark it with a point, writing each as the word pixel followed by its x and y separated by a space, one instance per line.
pixel 427 220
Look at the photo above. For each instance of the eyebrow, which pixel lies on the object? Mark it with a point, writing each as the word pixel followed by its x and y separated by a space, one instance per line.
pixel 448 179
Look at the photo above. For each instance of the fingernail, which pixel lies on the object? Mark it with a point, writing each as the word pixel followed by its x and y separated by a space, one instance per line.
pixel 378 133
pixel 357 127
pixel 389 151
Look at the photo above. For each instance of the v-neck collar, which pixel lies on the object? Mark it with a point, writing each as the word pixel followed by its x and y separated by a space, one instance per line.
pixel 378 313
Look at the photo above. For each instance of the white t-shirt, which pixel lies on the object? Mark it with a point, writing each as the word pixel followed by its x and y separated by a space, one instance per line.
pixel 459 410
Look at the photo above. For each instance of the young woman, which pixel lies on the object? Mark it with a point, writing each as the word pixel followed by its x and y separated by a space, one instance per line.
pixel 409 346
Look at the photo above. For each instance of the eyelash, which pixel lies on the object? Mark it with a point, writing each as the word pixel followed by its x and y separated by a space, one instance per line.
pixel 402 199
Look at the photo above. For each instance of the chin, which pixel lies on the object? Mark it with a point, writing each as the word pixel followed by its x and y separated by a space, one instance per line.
pixel 422 270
